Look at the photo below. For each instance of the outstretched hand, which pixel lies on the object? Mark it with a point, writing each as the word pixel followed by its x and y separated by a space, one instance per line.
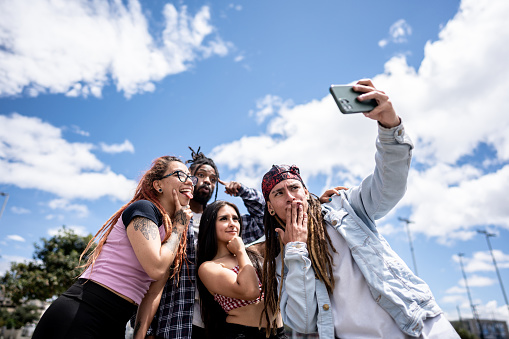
pixel 296 224
pixel 384 113
pixel 183 214
pixel 231 188
pixel 327 195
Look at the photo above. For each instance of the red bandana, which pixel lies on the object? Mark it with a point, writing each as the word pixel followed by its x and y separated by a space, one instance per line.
pixel 277 174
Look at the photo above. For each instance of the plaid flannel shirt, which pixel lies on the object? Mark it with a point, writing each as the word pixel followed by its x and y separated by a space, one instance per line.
pixel 174 316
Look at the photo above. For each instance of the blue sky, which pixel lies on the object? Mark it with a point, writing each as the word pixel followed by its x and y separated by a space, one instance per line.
pixel 92 91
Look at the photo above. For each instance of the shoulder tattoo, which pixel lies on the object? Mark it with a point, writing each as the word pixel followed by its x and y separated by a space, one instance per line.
pixel 146 226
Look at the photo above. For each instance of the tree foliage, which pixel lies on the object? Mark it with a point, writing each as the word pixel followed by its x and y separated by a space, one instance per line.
pixel 52 271
pixel 21 315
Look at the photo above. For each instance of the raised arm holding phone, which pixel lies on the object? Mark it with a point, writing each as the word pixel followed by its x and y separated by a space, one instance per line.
pixel 340 277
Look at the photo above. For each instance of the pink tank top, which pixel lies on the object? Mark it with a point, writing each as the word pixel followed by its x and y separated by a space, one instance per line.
pixel 229 304
pixel 118 267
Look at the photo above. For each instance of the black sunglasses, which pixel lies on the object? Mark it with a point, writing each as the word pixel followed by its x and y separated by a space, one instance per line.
pixel 182 177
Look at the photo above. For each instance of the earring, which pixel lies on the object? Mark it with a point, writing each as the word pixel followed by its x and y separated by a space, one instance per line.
pixel 160 190
pixel 272 212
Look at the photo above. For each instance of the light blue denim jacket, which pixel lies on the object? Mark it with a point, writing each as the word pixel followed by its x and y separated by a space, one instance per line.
pixel 305 303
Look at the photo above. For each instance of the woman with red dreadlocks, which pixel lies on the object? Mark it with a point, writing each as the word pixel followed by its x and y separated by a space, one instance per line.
pixel 337 275
pixel 138 248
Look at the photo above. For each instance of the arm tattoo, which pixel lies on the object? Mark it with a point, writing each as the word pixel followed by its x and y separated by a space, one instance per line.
pixel 181 217
pixel 174 240
pixel 146 227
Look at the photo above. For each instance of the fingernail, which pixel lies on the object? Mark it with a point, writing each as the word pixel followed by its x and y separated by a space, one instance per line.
pixel 330 199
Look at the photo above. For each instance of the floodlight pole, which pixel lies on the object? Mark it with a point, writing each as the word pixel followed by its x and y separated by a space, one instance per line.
pixel 488 235
pixel 474 310
pixel 406 221
pixel 6 195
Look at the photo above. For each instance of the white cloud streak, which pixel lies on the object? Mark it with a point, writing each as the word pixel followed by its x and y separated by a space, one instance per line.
pixel 126 146
pixel 398 33
pixel 62 204
pixel 79 230
pixel 450 105
pixel 15 237
pixel 483 261
pixel 78 47
pixel 34 155
pixel 20 210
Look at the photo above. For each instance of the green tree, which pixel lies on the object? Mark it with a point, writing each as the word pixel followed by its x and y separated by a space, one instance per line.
pixel 463 332
pixel 21 315
pixel 52 271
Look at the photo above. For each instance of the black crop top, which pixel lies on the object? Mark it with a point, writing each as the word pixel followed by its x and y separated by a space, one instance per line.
pixel 142 208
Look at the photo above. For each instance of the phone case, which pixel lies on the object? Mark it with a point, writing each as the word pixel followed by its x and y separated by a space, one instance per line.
pixel 346 99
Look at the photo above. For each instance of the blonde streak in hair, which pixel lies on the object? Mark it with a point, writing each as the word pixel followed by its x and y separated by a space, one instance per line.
pixel 315 256
pixel 168 226
pixel 313 246
pixel 103 232
pixel 320 251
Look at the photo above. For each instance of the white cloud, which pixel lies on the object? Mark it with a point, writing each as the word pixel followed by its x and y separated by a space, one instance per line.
pixel 268 105
pixel 6 260
pixel 53 217
pixel 79 230
pixel 78 47
pixel 15 237
pixel 449 105
pixel 477 281
pixel 235 7
pixel 63 204
pixel 398 33
pixel 20 210
pixel 126 146
pixel 79 131
pixel 456 290
pixel 34 155
pixel 483 261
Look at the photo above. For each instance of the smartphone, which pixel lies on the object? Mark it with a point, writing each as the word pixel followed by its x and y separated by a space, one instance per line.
pixel 346 99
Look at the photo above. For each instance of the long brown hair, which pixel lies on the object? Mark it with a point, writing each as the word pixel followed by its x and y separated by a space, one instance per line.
pixel 318 243
pixel 144 191
pixel 213 316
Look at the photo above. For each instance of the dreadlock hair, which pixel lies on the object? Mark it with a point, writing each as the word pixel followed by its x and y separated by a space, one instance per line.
pixel 213 315
pixel 317 243
pixel 198 160
pixel 144 191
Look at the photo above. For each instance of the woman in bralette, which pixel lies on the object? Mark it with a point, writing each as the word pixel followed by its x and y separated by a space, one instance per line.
pixel 228 279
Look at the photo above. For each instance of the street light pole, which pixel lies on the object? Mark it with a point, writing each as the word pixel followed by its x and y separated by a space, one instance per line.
pixel 6 195
pixel 406 221
pixel 488 235
pixel 474 309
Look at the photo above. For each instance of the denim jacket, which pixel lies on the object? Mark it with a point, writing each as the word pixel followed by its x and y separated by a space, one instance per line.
pixel 305 302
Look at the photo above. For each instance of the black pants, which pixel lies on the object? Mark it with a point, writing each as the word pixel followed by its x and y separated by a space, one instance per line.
pixel 85 311
pixel 235 331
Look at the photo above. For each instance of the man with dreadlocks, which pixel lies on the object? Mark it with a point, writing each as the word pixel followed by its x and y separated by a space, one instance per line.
pixel 337 275
pixel 178 314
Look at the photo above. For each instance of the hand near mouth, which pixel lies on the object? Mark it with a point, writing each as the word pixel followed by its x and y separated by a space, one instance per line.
pixel 296 224
pixel 236 245
pixel 183 214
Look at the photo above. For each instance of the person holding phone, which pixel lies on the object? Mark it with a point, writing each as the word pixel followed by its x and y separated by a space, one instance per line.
pixel 135 250
pixel 229 279
pixel 327 268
